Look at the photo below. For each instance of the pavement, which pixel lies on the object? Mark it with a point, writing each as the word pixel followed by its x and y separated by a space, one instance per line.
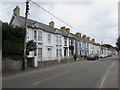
pixel 29 69
pixel 102 73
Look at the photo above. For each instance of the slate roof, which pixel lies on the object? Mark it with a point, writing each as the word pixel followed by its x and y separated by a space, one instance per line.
pixel 34 24
pixel 58 31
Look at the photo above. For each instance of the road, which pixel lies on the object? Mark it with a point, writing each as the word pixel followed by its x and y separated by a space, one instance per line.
pixel 79 74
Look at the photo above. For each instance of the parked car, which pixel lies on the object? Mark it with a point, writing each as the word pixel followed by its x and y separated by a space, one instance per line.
pixel 106 55
pixel 109 55
pixel 102 56
pixel 92 57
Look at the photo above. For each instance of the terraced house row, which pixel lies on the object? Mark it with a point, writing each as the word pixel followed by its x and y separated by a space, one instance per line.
pixel 54 43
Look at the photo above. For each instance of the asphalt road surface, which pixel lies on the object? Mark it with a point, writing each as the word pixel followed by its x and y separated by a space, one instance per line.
pixel 100 73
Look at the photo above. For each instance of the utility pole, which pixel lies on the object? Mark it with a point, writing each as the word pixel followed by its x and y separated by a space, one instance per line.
pixel 26 16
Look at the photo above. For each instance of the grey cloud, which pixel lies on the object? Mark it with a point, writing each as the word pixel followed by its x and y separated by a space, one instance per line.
pixel 97 25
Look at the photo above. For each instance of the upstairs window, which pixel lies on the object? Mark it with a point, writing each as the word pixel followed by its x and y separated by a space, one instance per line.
pixel 39 35
pixel 35 35
pixel 65 41
pixel 60 39
pixel 71 42
pixel 49 38
pixel 56 39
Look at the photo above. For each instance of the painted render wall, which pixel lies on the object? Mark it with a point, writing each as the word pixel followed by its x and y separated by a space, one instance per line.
pixel 85 46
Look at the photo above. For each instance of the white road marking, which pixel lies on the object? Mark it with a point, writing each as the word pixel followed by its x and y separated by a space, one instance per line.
pixel 50 78
pixel 101 85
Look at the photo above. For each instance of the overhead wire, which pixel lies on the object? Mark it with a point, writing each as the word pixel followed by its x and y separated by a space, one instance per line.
pixel 54 15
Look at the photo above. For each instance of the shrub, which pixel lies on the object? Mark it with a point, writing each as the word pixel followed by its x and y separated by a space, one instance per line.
pixel 12 39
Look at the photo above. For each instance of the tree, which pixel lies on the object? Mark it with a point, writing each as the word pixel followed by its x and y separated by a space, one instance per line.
pixel 31 46
pixel 118 44
pixel 12 39
pixel 108 45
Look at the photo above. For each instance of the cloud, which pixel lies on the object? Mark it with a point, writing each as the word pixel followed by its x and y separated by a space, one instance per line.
pixel 98 20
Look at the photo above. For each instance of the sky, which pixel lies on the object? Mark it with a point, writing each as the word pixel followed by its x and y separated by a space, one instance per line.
pixel 95 19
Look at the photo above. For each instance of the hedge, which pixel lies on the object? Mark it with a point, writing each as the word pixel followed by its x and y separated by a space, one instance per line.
pixel 12 39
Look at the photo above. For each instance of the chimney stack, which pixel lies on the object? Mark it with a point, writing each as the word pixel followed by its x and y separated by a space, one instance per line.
pixel 84 36
pixel 78 34
pixel 88 38
pixel 93 40
pixel 52 24
pixel 67 30
pixel 16 11
pixel 63 29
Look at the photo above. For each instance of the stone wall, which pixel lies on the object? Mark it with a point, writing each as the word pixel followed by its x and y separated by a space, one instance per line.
pixel 47 63
pixel 11 65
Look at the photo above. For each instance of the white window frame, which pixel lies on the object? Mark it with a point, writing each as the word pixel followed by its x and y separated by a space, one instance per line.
pixel 35 35
pixel 40 53
pixel 65 41
pixel 39 36
pixel 57 39
pixel 49 38
pixel 57 52
pixel 60 39
pixel 60 52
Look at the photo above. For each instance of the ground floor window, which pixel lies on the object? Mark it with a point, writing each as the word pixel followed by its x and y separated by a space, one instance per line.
pixel 40 52
pixel 58 52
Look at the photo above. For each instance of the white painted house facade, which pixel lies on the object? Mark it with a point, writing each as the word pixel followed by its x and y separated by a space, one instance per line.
pixel 53 43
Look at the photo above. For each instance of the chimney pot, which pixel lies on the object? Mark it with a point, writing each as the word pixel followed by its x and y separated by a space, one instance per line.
pixel 78 34
pixel 16 11
pixel 52 24
pixel 67 30
pixel 84 36
pixel 88 38
pixel 93 40
pixel 63 29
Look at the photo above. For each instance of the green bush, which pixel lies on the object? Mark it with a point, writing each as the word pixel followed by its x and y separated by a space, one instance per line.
pixel 12 39
pixel 11 47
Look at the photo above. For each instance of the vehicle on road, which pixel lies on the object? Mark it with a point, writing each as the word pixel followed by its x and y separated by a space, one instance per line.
pixel 102 56
pixel 109 55
pixel 92 57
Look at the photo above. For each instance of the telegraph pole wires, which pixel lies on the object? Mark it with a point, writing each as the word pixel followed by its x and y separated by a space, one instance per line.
pixel 53 15
pixel 26 19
